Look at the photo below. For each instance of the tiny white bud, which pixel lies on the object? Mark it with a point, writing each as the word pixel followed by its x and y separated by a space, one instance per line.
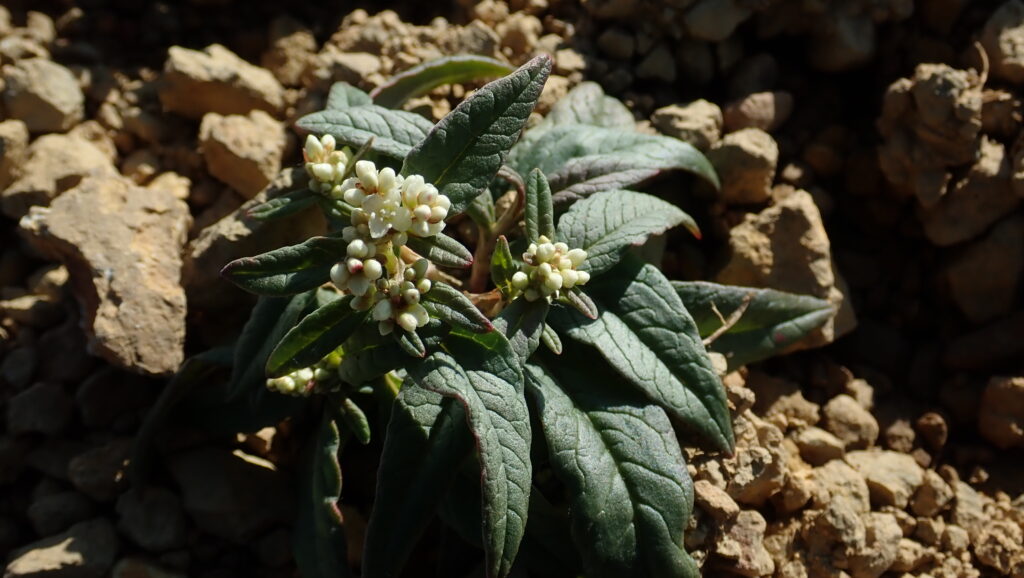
pixel 358 249
pixel 422 212
pixel 328 142
pixel 409 274
pixel 372 269
pixel 532 249
pixel 543 240
pixel 367 173
pixel 354 265
pixel 544 270
pixel 582 277
pixel 321 375
pixel 354 197
pixel 411 296
pixel 564 263
pixel 387 179
pixel 420 313
pixel 437 214
pixel 577 256
pixel 520 280
pixel 323 171
pixel 400 239
pixel 545 251
pixel 385 327
pixel 339 275
pixel 313 148
pixel 407 321
pixel 423 286
pixel 553 282
pixel 561 247
pixel 303 375
pixel 421 229
pixel 569 278
pixel 358 285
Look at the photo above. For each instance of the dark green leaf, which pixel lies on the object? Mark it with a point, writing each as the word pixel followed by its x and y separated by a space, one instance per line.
pixel 355 420
pixel 645 332
pixel 318 538
pixel 394 132
pixel 464 151
pixel 451 306
pixel 587 103
pixel 411 343
pixel 344 95
pixel 369 355
pixel 522 322
pixel 630 494
pixel 442 250
pixel 503 266
pixel 583 160
pixel 270 320
pixel 429 75
pixel 608 223
pixel 288 270
pixel 318 334
pixel 426 441
pixel 539 214
pixel 481 210
pixel 581 302
pixel 484 374
pixel 550 339
pixel 283 206
pixel 772 322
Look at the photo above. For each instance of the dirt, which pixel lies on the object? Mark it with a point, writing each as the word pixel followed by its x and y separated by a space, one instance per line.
pixel 872 154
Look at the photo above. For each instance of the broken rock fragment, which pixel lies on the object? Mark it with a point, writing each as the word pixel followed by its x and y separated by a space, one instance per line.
pixel 217 80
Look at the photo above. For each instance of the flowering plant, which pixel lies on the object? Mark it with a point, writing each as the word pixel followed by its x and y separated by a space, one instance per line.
pixel 532 388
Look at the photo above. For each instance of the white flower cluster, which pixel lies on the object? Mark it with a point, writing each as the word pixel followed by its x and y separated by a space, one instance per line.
pixel 549 268
pixel 388 204
pixel 402 307
pixel 302 382
pixel 325 165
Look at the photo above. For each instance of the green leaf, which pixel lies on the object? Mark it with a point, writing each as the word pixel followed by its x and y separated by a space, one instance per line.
pixel 550 339
pixel 481 210
pixel 411 343
pixel 587 104
pixel 283 206
pixel 581 302
pixel 451 306
pixel 318 538
pixel 422 79
pixel 483 373
pixel 318 334
pixel 270 320
pixel 522 322
pixel 426 441
pixel 464 151
pixel 442 250
pixel 539 214
pixel 503 266
pixel 288 270
pixel 393 132
pixel 369 355
pixel 344 95
pixel 354 419
pixel 608 223
pixel 630 494
pixel 645 333
pixel 772 322
pixel 583 160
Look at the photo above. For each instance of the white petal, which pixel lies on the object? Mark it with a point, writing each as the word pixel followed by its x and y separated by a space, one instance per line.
pixel 367 173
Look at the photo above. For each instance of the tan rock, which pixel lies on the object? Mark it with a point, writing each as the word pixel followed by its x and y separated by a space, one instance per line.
pixel 1001 414
pixel 13 150
pixel 745 161
pixel 837 530
pixel 837 478
pixel 933 497
pixel 216 80
pixel 781 401
pixel 892 477
pixel 55 164
pixel 909 556
pixel 714 501
pixel 742 541
pixel 355 68
pixel 1000 545
pixel 969 509
pixel 43 94
pixel 817 446
pixel 698 123
pixel 850 422
pixel 1003 39
pixel 881 549
pixel 786 247
pixel 986 278
pixel 764 110
pixel 243 152
pixel 519 33
pixel 121 245
pixel 758 468
pixel 140 166
pixel 177 185
pixel 292 50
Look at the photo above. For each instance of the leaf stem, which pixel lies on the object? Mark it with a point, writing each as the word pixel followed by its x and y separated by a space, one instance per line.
pixel 488 236
pixel 733 319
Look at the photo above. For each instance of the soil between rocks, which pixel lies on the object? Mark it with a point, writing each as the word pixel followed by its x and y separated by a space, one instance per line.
pixel 871 154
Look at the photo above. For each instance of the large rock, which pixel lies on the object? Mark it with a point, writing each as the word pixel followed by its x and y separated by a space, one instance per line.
pixel 292 50
pixel 121 244
pixel 1003 39
pixel 742 542
pixel 985 279
pixel 13 150
pixel 43 408
pixel 745 161
pixel 1001 414
pixel 698 123
pixel 231 495
pixel 86 550
pixel 785 247
pixel 892 477
pixel 850 422
pixel 55 163
pixel 243 152
pixel 44 95
pixel 152 517
pixel 217 80
pixel 54 513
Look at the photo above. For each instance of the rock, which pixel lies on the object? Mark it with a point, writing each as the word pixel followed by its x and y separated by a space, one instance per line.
pixel 982 197
pixel 817 446
pixel 883 537
pixel 32 311
pixel 617 43
pixel 99 472
pixel 179 186
pixel 1000 545
pixel 109 394
pixel 69 339
pixel 929 531
pixel 850 422
pixel 899 436
pixel 292 50
pixel 44 95
pixel 43 408
pixel 57 512
pixel 758 468
pixel 892 477
pixel 991 346
pixel 698 123
pixel 714 501
pixel 18 366
pixel 763 110
pixel 659 64
pixel 243 152
pixel 781 401
pixel 745 161
pixel 13 150
pixel 1001 414
pixel 140 166
pixel 52 456
pixel 715 20
pixel 55 164
pixel 12 459
pixel 216 80
pixel 838 528
pixel 786 247
pixel 332 66
pixel 1003 39
pixel 930 124
pixel 837 478
pixel 933 496
pixel 909 555
pixel 933 430
pixel 229 494
pixel 955 539
pixel 742 541
pixel 152 518
pixel 141 568
pixel 985 278
pixel 121 244
pixel 86 550
pixel 519 32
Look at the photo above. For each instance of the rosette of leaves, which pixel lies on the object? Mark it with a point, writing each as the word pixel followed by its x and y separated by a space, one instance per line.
pixel 548 431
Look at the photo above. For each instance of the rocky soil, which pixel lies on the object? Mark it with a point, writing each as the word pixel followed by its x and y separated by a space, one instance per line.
pixel 872 154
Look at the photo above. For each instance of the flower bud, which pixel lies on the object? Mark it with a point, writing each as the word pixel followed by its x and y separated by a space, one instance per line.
pixel 339 275
pixel 358 249
pixel 303 376
pixel 313 148
pixel 407 321
pixel 423 286
pixel 553 282
pixel 520 280
pixel 372 269
pixel 323 171
pixel 411 296
pixel 328 142
pixel 367 173
pixel 382 310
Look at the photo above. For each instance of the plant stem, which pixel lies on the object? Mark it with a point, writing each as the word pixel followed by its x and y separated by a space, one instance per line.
pixel 487 237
